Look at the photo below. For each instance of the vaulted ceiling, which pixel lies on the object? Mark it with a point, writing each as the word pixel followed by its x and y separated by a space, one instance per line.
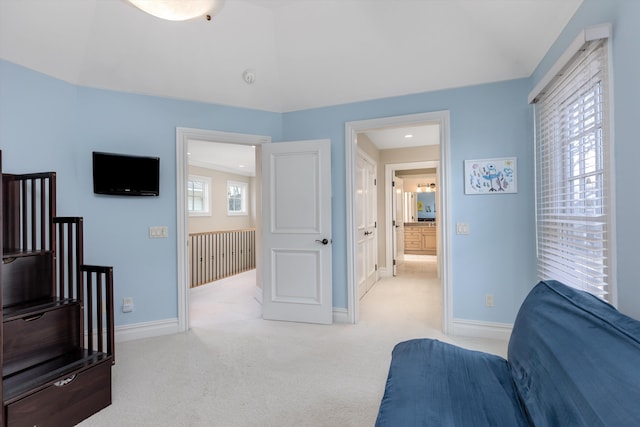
pixel 303 53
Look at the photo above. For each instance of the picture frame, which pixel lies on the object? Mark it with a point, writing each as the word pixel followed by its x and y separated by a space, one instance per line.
pixel 491 176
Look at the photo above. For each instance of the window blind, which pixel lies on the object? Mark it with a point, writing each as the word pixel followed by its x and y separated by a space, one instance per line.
pixel 572 173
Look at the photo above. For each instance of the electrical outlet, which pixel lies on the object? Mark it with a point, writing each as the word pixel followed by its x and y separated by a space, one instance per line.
pixel 127 304
pixel 488 300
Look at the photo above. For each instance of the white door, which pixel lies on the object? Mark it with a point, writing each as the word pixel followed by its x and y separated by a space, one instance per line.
pixel 367 214
pixel 296 231
pixel 397 223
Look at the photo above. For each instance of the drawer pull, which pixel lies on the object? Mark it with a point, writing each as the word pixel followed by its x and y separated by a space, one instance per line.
pixel 34 317
pixel 65 381
pixel 8 260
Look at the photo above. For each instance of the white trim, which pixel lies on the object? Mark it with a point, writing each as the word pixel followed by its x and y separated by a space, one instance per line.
pixel 351 129
pixel 478 329
pixel 142 330
pixel 244 186
pixel 383 272
pixel 613 264
pixel 206 199
pixel 258 295
pixel 183 135
pixel 389 169
pixel 596 32
pixel 341 315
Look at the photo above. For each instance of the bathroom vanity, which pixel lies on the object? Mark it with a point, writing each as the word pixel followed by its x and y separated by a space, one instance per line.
pixel 420 238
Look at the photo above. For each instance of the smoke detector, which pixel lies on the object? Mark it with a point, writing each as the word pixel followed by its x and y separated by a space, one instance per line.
pixel 248 76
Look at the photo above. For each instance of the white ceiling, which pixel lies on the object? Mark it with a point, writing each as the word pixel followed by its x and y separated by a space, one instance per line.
pixel 233 158
pixel 304 53
pixel 408 136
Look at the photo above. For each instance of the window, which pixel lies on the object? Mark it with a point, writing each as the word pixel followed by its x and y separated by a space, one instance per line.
pixel 236 198
pixel 198 195
pixel 573 193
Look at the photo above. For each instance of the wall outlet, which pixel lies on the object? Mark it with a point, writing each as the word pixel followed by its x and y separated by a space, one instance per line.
pixel 127 305
pixel 488 300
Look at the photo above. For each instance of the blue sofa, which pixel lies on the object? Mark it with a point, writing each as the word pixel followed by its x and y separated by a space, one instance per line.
pixel 573 360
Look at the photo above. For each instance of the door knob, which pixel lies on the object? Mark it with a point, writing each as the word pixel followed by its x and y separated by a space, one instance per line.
pixel 323 241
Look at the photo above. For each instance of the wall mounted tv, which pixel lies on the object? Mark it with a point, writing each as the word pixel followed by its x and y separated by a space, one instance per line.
pixel 125 175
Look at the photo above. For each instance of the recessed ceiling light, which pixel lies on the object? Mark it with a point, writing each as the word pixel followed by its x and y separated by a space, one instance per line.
pixel 408 135
pixel 241 166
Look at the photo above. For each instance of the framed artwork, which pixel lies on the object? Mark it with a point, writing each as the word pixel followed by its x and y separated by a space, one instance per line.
pixel 490 176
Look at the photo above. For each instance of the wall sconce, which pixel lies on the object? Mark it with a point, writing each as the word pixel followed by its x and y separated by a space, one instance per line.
pixel 179 10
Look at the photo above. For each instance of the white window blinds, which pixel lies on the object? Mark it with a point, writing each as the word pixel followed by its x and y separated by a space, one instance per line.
pixel 572 173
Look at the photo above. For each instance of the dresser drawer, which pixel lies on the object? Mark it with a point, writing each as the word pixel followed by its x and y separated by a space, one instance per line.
pixel 26 278
pixel 65 401
pixel 412 245
pixel 37 337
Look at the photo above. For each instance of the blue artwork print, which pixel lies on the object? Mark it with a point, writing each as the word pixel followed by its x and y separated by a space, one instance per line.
pixel 490 176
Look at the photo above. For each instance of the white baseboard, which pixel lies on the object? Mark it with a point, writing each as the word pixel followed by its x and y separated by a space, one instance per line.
pixel 142 330
pixel 340 315
pixel 383 272
pixel 479 329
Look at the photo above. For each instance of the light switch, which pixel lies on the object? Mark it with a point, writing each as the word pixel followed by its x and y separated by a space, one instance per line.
pixel 127 304
pixel 158 232
pixel 462 228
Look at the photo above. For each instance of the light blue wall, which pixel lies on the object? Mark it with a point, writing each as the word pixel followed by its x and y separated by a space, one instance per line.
pixel 37 127
pixel 625 17
pixel 46 124
pixel 487 121
pixel 65 124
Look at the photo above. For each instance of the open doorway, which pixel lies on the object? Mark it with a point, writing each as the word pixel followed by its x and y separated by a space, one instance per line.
pixel 235 211
pixel 353 130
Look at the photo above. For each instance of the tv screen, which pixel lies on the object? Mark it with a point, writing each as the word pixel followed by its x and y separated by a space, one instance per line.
pixel 125 175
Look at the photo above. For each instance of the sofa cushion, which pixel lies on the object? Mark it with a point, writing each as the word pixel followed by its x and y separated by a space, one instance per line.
pixel 575 359
pixel 431 383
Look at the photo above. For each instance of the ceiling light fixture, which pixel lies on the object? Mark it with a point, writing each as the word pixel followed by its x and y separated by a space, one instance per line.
pixel 408 135
pixel 179 10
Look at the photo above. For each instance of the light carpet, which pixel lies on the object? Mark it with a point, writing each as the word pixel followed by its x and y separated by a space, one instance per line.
pixel 235 369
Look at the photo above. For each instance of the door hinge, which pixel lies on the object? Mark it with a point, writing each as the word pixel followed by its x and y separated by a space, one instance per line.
pixel 393 183
pixel 376 267
pixel 375 181
pixel 393 223
pixel 375 224
pixel 394 262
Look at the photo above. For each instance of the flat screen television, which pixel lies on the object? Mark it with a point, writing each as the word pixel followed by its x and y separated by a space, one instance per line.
pixel 125 175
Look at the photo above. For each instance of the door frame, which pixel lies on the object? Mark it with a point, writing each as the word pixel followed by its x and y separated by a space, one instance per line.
pixel 389 171
pixel 351 131
pixel 183 136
